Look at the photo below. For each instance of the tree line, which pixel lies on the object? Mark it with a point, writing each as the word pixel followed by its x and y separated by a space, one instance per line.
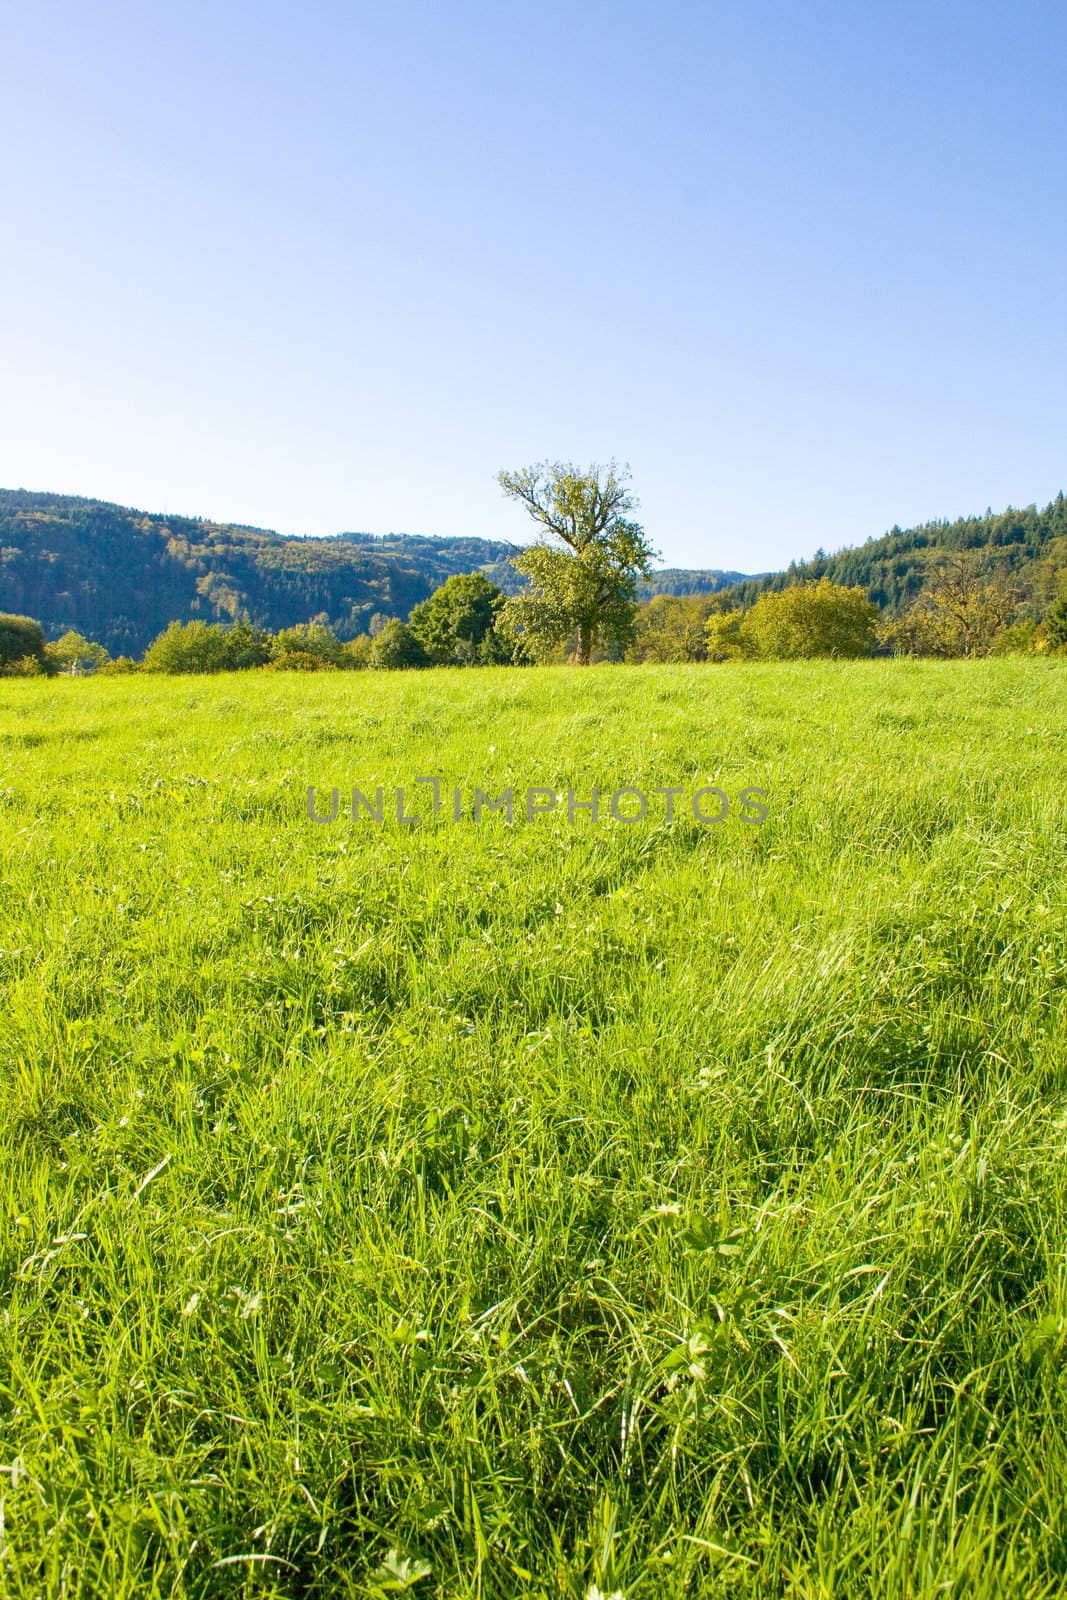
pixel 578 602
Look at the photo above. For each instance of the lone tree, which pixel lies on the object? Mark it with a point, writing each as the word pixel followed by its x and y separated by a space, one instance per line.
pixel 583 574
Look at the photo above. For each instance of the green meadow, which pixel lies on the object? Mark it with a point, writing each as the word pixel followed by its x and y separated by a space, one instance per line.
pixel 554 1209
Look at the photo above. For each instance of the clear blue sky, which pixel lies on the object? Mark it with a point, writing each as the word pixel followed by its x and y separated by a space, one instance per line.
pixel 321 266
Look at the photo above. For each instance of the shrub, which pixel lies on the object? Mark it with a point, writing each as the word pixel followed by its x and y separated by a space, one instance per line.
pixel 207 647
pixel 396 647
pixel 300 661
pixel 309 638
pixel 725 638
pixel 918 631
pixel 187 647
pixel 671 627
pixel 20 637
pixel 1020 639
pixel 1054 626
pixel 357 651
pixel 24 667
pixel 73 652
pixel 963 611
pixel 246 646
pixel 812 619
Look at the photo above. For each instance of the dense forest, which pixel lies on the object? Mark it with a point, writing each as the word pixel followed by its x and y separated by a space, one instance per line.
pixel 1027 546
pixel 681 581
pixel 119 576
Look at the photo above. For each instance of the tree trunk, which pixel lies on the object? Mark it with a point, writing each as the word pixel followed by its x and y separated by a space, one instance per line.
pixel 584 653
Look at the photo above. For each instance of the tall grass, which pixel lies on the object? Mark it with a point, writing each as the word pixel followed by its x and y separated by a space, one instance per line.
pixel 544 1210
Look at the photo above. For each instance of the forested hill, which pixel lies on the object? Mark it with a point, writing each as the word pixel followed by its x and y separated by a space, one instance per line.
pixel 1029 545
pixel 120 576
pixel 682 580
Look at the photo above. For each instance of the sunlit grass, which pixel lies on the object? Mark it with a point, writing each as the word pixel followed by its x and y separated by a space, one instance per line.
pixel 494 1211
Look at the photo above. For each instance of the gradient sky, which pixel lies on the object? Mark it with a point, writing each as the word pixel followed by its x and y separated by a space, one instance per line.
pixel 322 266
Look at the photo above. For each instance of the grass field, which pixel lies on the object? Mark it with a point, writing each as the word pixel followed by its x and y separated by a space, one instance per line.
pixel 554 1209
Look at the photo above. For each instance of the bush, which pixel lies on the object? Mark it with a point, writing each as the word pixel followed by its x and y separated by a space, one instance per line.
pixel 20 637
pixel 311 639
pixel 187 647
pixel 396 647
pixel 1054 627
pixel 918 631
pixel 73 652
pixel 24 667
pixel 671 627
pixel 207 647
pixel 1020 639
pixel 246 646
pixel 357 651
pixel 726 639
pixel 119 667
pixel 300 661
pixel 964 610
pixel 812 619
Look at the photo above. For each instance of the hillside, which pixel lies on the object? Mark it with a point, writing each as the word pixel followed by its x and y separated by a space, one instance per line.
pixel 1029 545
pixel 665 580
pixel 683 581
pixel 120 576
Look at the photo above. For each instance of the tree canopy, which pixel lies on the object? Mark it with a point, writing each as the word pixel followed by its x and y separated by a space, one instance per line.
pixel 457 625
pixel 396 647
pixel 308 639
pixel 583 572
pixel 811 619
pixel 21 641
pixel 206 647
pixel 1055 625
pixel 73 652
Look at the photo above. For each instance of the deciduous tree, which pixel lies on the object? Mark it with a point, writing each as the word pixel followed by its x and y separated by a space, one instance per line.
pixel 725 638
pixel 960 613
pixel 20 638
pixel 812 619
pixel 670 627
pixel 207 647
pixel 73 652
pixel 396 647
pixel 457 624
pixel 582 573
pixel 308 639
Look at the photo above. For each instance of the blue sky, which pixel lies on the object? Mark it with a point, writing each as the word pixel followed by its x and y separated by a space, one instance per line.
pixel 321 266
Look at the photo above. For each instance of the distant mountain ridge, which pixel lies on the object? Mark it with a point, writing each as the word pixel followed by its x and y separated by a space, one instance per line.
pixel 119 575
pixel 1028 546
